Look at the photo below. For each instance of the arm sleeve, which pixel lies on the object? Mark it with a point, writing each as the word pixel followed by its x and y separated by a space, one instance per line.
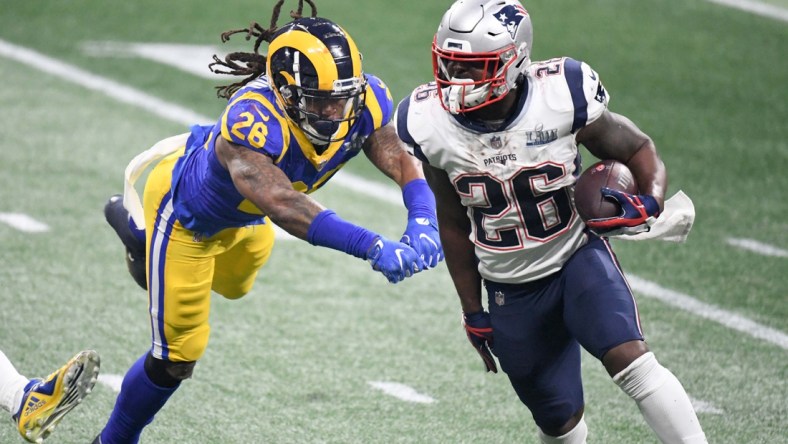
pixel 329 230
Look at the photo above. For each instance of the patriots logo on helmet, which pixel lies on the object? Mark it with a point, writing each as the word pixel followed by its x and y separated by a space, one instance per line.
pixel 510 16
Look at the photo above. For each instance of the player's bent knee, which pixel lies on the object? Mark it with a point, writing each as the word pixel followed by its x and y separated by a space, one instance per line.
pixel 622 356
pixel 233 292
pixel 235 287
pixel 168 373
pixel 642 377
pixel 576 434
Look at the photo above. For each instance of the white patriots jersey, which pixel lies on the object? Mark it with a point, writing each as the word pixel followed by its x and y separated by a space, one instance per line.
pixel 517 183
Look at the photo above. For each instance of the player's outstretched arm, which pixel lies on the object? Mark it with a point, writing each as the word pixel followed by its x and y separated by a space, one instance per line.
pixel 267 187
pixel 385 150
pixel 262 183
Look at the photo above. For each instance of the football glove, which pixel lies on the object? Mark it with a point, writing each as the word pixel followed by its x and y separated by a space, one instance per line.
pixel 478 328
pixel 394 260
pixel 638 214
pixel 422 235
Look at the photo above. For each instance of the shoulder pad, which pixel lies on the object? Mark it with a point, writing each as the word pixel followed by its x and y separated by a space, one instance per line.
pixel 251 120
pixel 404 130
pixel 572 86
pixel 580 76
pixel 587 91
pixel 379 102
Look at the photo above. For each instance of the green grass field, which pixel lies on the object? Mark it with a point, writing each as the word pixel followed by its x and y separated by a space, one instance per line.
pixel 293 361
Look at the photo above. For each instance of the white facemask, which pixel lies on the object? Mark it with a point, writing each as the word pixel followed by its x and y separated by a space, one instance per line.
pixel 464 94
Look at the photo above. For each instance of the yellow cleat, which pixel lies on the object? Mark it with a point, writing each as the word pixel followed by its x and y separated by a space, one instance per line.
pixel 46 401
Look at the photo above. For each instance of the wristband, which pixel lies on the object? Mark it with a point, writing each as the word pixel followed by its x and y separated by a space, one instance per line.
pixel 418 199
pixel 329 230
pixel 473 317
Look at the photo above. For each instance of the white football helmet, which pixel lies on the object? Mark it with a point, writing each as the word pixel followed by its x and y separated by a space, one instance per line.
pixel 495 35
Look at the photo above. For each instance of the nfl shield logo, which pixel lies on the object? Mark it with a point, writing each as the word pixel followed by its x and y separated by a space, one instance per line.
pixel 495 142
pixel 499 298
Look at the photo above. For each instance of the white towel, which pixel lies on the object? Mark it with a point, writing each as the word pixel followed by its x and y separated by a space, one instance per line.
pixel 674 224
pixel 135 168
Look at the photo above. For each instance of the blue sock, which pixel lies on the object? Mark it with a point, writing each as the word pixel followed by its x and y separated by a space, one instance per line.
pixel 138 233
pixel 139 400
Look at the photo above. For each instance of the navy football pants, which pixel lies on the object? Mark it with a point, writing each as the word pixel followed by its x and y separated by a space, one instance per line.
pixel 539 326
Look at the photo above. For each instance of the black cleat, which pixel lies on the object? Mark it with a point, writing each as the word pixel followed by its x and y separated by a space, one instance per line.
pixel 118 219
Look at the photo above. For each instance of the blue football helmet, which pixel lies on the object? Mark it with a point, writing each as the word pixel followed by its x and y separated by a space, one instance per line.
pixel 315 69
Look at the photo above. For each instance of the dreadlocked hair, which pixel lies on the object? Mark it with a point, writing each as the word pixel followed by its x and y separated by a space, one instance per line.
pixel 251 64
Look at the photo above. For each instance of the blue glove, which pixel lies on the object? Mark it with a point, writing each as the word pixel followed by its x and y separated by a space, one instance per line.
pixel 422 234
pixel 422 230
pixel 638 214
pixel 478 328
pixel 394 259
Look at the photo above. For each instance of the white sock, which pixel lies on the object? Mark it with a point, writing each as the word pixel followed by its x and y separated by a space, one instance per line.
pixel 662 401
pixel 575 436
pixel 12 385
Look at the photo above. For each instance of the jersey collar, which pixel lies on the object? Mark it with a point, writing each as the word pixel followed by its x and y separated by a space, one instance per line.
pixel 479 126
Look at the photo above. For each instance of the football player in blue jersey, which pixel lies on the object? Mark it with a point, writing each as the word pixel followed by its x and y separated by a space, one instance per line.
pixel 38 405
pixel 300 114
pixel 497 135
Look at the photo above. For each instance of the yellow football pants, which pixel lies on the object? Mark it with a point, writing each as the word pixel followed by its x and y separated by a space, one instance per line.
pixel 182 269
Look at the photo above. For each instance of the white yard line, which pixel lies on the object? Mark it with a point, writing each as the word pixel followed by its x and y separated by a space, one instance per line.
pixel 111 380
pixel 708 311
pixel 23 222
pixel 122 93
pixel 117 91
pixel 357 184
pixel 757 247
pixel 401 391
pixel 759 8
pixel 705 407
pixel 193 59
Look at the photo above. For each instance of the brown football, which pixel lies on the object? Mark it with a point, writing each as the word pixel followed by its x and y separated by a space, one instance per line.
pixel 606 173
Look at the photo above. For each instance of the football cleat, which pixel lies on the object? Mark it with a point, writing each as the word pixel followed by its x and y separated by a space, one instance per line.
pixel 46 401
pixel 118 218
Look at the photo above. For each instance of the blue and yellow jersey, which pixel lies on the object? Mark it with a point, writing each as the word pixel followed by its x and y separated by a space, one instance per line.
pixel 204 197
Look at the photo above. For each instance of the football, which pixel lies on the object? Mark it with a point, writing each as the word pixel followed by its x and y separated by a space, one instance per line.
pixel 606 173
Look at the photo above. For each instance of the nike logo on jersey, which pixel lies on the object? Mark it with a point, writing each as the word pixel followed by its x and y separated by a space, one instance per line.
pixel 259 113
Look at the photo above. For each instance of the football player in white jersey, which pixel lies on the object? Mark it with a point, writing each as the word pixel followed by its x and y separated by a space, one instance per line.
pixel 497 135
